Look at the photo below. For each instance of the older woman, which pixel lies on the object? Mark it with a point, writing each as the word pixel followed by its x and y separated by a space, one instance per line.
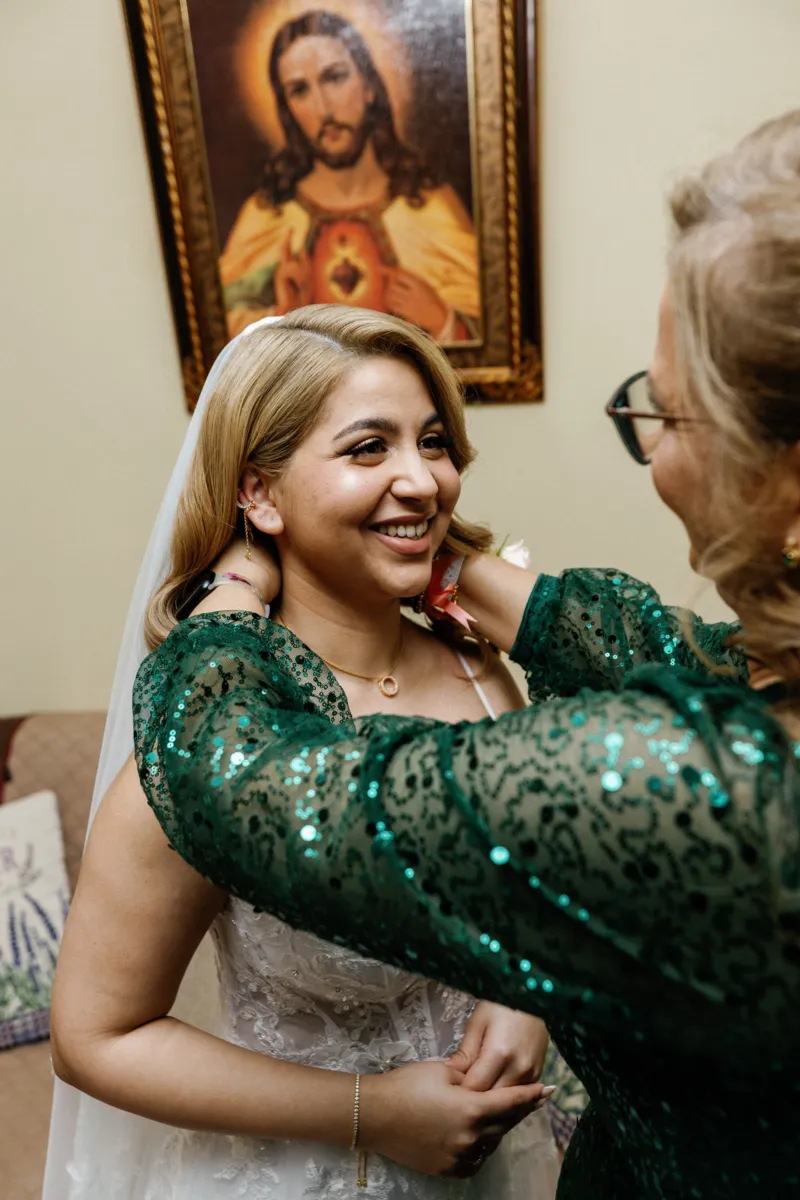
pixel 624 857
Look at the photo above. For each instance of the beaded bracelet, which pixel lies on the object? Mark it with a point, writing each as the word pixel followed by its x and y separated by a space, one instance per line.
pixel 361 1162
pixel 232 577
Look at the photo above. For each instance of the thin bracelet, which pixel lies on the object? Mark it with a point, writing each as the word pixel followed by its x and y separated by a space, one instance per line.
pixel 232 577
pixel 361 1164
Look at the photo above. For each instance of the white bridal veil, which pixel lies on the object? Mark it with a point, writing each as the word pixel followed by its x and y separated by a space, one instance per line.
pixel 97 1152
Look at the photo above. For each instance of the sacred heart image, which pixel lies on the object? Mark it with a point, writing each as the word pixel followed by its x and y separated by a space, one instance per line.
pixel 340 144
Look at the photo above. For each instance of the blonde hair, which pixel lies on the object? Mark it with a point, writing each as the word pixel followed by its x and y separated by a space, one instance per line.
pixel 735 290
pixel 270 394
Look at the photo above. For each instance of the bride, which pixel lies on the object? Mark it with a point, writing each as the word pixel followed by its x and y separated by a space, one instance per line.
pixel 339 436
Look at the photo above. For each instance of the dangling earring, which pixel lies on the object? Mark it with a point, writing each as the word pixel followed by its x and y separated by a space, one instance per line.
pixel 246 509
pixel 791 555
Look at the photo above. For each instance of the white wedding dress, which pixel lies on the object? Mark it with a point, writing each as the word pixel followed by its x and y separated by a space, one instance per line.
pixel 296 997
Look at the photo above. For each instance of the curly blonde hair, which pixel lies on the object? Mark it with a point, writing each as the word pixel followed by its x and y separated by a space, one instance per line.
pixel 270 393
pixel 735 289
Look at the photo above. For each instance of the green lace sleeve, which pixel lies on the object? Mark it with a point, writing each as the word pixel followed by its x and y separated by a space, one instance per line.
pixel 597 853
pixel 591 628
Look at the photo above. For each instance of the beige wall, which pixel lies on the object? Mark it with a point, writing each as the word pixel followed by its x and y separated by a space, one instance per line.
pixel 92 413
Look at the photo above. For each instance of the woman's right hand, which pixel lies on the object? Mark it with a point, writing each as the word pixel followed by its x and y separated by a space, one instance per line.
pixel 422 1116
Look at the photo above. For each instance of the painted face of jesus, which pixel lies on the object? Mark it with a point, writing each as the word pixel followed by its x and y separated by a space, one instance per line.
pixel 328 98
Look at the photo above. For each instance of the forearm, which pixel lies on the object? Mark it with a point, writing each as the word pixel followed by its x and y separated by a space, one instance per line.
pixel 495 593
pixel 173 1073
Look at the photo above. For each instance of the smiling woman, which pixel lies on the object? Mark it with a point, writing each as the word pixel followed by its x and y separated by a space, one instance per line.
pixel 361 510
pixel 370 432
pixel 339 435
pixel 370 500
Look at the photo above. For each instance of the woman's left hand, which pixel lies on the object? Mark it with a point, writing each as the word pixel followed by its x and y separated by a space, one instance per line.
pixel 501 1048
pixel 262 569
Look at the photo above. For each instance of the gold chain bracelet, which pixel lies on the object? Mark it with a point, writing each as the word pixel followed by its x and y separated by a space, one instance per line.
pixel 361 1161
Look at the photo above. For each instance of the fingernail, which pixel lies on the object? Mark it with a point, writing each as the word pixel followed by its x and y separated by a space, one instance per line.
pixel 548 1091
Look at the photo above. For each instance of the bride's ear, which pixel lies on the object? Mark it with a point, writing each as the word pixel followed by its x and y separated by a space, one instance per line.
pixel 257 494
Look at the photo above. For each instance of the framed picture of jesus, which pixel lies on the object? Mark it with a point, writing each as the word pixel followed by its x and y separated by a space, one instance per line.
pixel 379 153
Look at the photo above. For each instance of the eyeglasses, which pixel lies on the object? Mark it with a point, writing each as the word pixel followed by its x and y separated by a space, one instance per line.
pixel 638 418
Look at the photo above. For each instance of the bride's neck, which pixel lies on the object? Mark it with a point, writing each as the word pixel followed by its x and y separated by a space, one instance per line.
pixel 362 639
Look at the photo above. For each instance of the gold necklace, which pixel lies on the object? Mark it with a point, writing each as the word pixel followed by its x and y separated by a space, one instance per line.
pixel 387 684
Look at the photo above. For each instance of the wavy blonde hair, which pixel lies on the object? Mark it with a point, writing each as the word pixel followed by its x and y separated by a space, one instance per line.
pixel 270 394
pixel 735 288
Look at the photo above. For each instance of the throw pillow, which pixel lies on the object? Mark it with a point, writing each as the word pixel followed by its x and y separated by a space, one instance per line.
pixel 34 897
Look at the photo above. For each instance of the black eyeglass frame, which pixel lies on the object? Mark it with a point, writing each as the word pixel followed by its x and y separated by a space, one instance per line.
pixel 623 418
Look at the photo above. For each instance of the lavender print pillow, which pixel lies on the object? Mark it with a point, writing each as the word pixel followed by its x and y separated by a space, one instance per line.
pixel 34 897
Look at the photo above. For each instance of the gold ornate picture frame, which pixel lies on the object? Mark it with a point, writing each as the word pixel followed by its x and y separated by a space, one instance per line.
pixel 496 350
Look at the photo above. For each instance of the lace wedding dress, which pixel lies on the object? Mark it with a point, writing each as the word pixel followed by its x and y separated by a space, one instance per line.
pixel 295 997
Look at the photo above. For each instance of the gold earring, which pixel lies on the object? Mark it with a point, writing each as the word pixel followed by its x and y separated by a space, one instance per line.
pixel 791 555
pixel 246 509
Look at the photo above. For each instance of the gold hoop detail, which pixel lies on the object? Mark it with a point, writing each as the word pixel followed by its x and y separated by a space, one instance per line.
pixel 389 686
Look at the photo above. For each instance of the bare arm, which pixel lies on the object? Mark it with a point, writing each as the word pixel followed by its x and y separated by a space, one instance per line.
pixel 495 593
pixel 138 914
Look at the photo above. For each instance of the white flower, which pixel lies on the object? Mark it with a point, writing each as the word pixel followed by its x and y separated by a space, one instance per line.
pixel 516 553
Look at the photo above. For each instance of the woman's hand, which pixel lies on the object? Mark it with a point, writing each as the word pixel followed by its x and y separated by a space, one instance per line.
pixel 500 1048
pixel 262 569
pixel 423 1117
pixel 412 298
pixel 292 279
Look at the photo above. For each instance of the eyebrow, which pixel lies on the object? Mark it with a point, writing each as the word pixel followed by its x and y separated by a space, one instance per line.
pixel 382 425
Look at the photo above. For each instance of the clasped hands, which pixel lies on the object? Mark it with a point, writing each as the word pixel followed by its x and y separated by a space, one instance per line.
pixel 447 1118
pixel 501 1048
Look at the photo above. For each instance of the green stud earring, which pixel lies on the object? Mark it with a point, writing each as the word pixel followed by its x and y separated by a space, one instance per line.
pixel 791 555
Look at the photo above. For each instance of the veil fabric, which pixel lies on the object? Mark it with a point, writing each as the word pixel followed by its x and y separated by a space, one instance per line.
pixel 95 1151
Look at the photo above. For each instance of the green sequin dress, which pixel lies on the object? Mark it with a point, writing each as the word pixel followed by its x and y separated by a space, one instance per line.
pixel 621 859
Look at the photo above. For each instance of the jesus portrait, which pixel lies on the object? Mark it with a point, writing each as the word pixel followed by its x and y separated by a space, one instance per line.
pixel 346 210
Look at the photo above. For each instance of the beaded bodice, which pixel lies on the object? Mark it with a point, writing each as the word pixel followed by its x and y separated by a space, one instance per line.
pixel 292 995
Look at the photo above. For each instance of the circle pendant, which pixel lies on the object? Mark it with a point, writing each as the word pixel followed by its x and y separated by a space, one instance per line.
pixel 389 686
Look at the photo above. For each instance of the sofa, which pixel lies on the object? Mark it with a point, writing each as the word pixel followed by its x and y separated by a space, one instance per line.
pixel 58 752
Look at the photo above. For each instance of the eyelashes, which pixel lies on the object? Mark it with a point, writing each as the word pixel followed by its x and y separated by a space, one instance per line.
pixel 438 441
pixel 365 449
pixel 432 443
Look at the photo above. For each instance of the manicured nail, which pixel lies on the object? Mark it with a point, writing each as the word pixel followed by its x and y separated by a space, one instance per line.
pixel 548 1091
